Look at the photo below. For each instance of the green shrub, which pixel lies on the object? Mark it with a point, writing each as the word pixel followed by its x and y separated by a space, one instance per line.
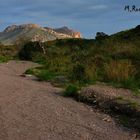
pixel 39 58
pixel 78 72
pixel 33 71
pixel 46 75
pixel 71 91
pixel 91 73
pixel 132 84
pixel 4 59
pixel 42 73
pixel 29 71
pixel 28 50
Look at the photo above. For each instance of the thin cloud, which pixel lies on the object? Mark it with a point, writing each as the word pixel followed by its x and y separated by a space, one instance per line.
pixel 98 7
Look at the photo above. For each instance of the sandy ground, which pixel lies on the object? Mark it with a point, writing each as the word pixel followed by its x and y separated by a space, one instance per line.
pixel 31 110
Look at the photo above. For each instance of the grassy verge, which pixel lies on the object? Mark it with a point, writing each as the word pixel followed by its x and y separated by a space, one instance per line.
pixel 8 52
pixel 78 77
pixel 86 62
pixel 4 59
pixel 42 73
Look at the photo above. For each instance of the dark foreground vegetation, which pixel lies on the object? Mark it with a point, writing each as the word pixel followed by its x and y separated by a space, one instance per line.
pixel 114 60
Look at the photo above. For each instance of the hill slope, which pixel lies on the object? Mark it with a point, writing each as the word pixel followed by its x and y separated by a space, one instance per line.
pixel 29 32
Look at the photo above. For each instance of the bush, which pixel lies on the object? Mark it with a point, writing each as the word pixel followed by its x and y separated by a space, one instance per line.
pixel 91 73
pixel 46 75
pixel 78 72
pixel 71 91
pixel 4 58
pixel 39 58
pixel 28 50
pixel 119 70
pixel 132 84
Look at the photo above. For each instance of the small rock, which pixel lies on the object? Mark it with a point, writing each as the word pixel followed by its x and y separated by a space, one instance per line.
pixel 28 75
pixel 135 136
pixel 107 119
pixel 23 75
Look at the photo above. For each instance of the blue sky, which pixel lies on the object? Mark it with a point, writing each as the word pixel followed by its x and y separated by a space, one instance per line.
pixel 86 16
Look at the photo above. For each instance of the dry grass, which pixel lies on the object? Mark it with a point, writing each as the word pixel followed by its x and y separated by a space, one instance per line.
pixel 119 70
pixel 91 72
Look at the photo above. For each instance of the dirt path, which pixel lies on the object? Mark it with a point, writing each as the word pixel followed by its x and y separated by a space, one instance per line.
pixel 30 110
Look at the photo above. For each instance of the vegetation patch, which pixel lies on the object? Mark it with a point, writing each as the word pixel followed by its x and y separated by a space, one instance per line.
pixel 111 60
pixel 8 52
pixel 5 59
pixel 42 74
pixel 119 70
pixel 71 91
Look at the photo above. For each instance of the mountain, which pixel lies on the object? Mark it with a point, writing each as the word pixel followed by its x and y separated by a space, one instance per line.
pixel 66 30
pixel 32 32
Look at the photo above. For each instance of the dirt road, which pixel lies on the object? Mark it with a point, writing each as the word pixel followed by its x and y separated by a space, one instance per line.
pixel 31 110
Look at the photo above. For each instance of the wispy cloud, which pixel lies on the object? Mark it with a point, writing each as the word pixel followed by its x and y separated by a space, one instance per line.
pixel 98 7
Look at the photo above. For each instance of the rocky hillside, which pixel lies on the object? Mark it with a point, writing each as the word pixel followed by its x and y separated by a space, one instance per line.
pixel 32 32
pixel 66 30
